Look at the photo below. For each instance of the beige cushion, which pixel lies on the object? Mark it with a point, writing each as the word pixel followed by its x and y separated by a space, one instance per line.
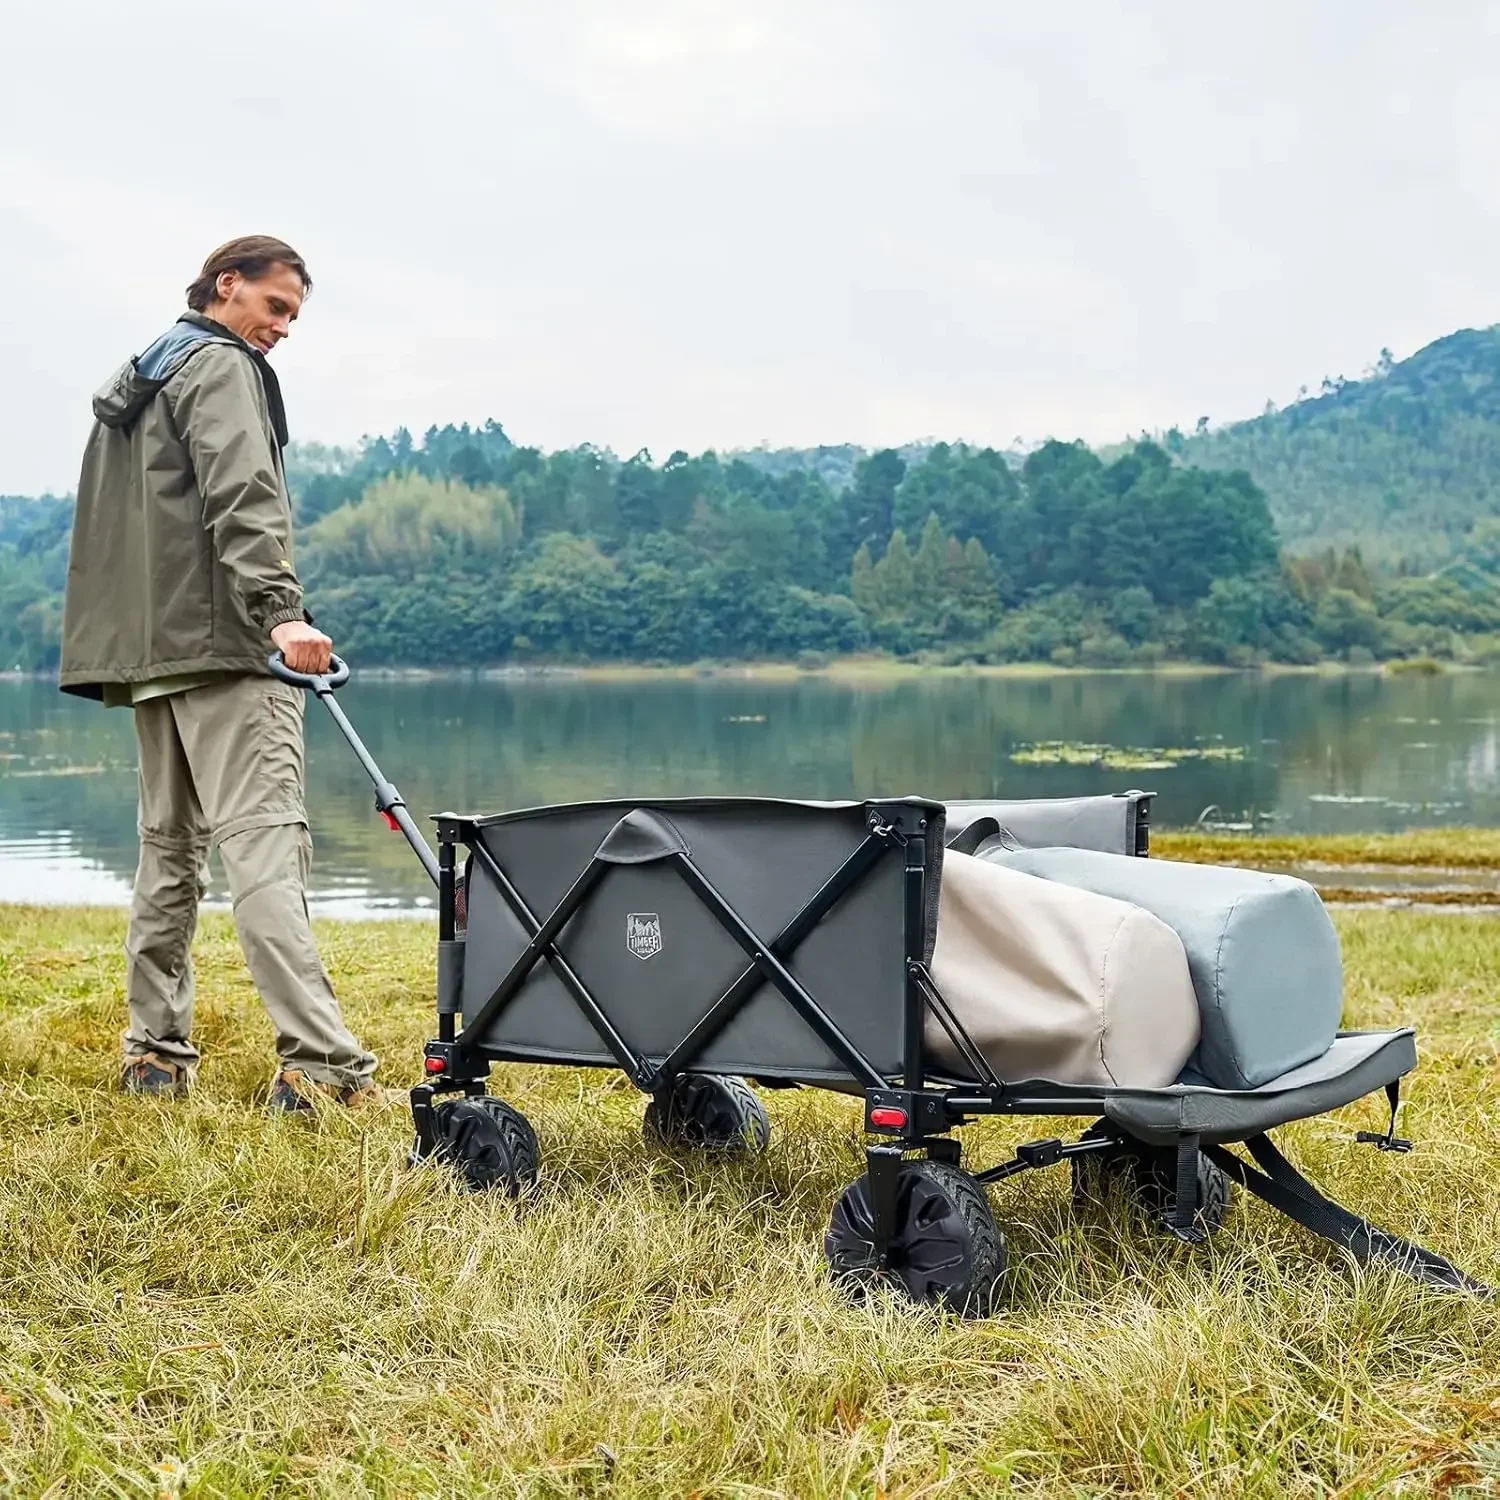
pixel 1052 982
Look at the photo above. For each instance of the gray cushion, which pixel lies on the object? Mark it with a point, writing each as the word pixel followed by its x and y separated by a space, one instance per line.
pixel 1263 953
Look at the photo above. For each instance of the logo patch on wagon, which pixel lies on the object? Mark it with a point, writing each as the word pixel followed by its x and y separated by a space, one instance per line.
pixel 643 934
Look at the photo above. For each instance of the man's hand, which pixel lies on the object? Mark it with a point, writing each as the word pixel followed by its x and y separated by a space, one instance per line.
pixel 303 648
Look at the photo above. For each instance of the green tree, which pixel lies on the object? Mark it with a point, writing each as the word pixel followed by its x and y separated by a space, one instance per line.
pixel 974 580
pixel 1133 615
pixel 872 500
pixel 862 586
pixel 971 492
pixel 1353 575
pixel 930 602
pixel 1344 621
pixel 569 599
pixel 638 495
pixel 1064 481
pixel 896 580
pixel 405 525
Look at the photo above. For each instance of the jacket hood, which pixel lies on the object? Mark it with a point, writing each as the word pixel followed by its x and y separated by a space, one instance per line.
pixel 127 393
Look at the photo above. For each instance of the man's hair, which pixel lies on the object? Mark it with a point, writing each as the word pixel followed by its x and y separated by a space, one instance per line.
pixel 252 255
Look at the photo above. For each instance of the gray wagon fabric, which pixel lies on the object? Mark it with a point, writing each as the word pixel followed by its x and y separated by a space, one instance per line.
pixel 1356 1064
pixel 657 960
pixel 1263 952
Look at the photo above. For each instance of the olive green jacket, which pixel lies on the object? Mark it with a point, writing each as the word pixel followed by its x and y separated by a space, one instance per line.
pixel 181 557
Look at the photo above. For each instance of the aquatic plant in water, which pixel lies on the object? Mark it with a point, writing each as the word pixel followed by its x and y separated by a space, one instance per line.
pixel 1120 758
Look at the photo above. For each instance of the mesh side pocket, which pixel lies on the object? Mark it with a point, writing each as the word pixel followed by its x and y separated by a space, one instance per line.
pixel 461 904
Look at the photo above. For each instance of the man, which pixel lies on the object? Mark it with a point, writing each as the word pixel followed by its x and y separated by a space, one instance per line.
pixel 180 583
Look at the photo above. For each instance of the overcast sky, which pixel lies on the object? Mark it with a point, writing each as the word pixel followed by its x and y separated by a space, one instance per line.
pixel 682 223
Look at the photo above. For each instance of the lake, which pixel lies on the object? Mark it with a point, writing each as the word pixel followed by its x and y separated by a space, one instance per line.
pixel 1293 753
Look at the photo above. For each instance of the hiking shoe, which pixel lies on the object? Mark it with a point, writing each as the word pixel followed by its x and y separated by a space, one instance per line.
pixel 150 1073
pixel 294 1091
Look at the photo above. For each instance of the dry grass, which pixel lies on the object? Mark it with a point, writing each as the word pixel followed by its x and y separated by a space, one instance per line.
pixel 199 1299
pixel 1431 848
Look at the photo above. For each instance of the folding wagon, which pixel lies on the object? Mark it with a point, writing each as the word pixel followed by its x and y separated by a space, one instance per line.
pixel 697 943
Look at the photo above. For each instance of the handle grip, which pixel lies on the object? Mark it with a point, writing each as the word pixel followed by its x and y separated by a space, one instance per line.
pixel 315 682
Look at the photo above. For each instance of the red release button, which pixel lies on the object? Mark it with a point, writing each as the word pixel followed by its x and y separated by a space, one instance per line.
pixel 886 1115
pixel 434 1065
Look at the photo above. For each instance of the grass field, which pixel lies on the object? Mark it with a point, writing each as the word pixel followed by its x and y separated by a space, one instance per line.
pixel 1424 848
pixel 201 1300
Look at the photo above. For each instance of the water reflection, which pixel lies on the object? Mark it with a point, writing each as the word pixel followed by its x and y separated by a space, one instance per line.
pixel 1318 754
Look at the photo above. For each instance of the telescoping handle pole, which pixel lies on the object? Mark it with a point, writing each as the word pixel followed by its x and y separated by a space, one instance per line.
pixel 388 801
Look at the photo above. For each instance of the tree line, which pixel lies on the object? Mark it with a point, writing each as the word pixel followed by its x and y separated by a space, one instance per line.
pixel 465 548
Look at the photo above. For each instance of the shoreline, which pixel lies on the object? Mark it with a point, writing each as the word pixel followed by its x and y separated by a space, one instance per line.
pixel 1451 870
pixel 862 668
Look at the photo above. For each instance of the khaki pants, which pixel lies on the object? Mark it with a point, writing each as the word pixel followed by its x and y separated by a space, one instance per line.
pixel 221 766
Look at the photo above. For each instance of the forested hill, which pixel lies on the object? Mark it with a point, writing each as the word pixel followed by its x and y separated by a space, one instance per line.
pixel 1400 463
pixel 1381 538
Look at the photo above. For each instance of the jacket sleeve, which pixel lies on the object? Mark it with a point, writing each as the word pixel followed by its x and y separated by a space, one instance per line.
pixel 219 420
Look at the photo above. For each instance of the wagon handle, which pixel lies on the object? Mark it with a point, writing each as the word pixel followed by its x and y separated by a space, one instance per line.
pixel 389 803
pixel 315 682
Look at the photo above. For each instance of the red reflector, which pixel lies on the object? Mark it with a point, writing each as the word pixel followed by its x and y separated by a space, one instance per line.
pixel 887 1116
pixel 390 822
pixel 434 1065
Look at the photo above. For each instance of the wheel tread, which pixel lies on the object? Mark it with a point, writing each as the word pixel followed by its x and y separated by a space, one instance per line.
pixel 847 1242
pixel 678 1119
pixel 973 1204
pixel 489 1143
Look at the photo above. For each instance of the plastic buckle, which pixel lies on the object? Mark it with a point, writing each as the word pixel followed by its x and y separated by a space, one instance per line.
pixel 1390 1141
pixel 1386 1142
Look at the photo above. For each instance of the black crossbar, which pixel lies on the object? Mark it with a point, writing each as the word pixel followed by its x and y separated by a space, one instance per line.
pixel 783 946
pixel 937 1003
pixel 767 964
pixel 771 968
pixel 1037 1154
pixel 543 945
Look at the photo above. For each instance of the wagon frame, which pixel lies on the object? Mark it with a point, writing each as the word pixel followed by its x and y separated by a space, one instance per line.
pixel 916 1218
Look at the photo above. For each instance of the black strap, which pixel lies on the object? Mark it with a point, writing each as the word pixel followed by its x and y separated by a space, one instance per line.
pixel 1390 1141
pixel 1281 1185
pixel 1185 1203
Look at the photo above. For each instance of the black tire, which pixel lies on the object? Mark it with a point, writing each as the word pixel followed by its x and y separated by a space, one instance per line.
pixel 490 1145
pixel 1149 1174
pixel 946 1250
pixel 708 1111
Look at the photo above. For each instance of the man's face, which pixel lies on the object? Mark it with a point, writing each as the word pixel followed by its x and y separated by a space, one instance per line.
pixel 261 311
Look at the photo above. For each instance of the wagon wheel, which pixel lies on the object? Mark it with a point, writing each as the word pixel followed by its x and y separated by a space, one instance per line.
pixel 1150 1176
pixel 489 1144
pixel 711 1111
pixel 946 1248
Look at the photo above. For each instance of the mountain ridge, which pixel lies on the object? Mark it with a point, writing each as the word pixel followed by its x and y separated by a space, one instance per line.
pixel 1400 463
